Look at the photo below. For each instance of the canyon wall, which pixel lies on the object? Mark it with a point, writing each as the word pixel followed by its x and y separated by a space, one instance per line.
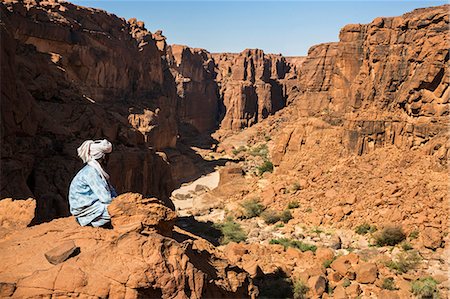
pixel 71 73
pixel 386 82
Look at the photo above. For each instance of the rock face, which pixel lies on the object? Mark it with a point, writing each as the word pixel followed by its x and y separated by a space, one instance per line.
pixel 114 264
pixel 70 74
pixel 194 73
pixel 386 81
pixel 250 87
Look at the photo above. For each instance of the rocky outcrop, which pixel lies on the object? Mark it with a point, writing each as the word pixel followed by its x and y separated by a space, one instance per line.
pixel 250 86
pixel 74 73
pixel 119 263
pixel 194 73
pixel 386 81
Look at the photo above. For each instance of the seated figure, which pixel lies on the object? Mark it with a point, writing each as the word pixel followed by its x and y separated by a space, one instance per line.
pixel 90 191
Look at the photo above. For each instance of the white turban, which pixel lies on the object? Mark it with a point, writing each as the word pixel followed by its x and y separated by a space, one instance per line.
pixel 90 151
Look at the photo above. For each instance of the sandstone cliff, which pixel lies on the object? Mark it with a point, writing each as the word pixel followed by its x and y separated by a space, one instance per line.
pixel 250 87
pixel 386 81
pixel 71 73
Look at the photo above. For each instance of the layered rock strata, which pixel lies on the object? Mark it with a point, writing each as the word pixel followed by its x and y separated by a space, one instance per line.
pixel 386 81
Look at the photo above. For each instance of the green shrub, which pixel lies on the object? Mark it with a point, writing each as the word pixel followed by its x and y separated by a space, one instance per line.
pixel 390 235
pixel 365 228
pixel 239 150
pixel 286 216
pixel 270 216
pixel 252 208
pixel 308 210
pixel 405 261
pixel 231 231
pixel 414 234
pixel 260 150
pixel 293 204
pixel 267 138
pixel 388 284
pixel 406 246
pixel 285 242
pixel 425 287
pixel 267 166
pixel 327 263
pixel 295 187
pixel 300 289
pixel 346 282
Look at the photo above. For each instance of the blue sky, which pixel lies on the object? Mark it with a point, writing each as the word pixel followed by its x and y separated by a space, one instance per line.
pixel 286 27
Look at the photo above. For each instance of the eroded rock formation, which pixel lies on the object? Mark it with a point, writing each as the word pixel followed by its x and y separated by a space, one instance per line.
pixel 72 73
pixel 130 261
pixel 386 81
pixel 250 86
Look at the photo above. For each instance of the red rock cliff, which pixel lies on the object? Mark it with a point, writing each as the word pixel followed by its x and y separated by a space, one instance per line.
pixel 71 73
pixel 386 81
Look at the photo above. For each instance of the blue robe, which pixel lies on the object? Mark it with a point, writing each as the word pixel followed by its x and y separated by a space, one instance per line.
pixel 89 197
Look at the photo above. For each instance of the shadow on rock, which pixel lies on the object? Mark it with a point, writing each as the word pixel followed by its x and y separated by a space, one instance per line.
pixel 206 230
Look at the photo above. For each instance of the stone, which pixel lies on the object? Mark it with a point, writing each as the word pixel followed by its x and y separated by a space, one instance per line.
pixel 62 252
pixel 132 212
pixel 431 238
pixel 16 214
pixel 366 272
pixel 317 284
pixel 324 254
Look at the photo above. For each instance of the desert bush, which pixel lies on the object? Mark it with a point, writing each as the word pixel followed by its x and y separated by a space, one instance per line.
pixel 414 234
pixel 267 166
pixel 388 284
pixel 260 150
pixel 300 289
pixel 231 231
pixel 390 235
pixel 346 283
pixel 406 246
pixel 270 216
pixel 239 150
pixel 295 187
pixel 293 204
pixel 365 228
pixel 285 242
pixel 405 261
pixel 425 287
pixel 252 208
pixel 327 263
pixel 286 216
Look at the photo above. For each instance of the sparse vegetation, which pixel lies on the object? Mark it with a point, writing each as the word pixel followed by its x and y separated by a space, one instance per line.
pixel 390 235
pixel 267 138
pixel 346 283
pixel 414 234
pixel 252 208
pixel 285 242
pixel 406 246
pixel 300 289
pixel 293 204
pixel 425 287
pixel 231 231
pixel 295 187
pixel 260 150
pixel 365 228
pixel 389 284
pixel 405 261
pixel 308 210
pixel 316 230
pixel 327 263
pixel 238 150
pixel 267 166
pixel 270 216
pixel 286 216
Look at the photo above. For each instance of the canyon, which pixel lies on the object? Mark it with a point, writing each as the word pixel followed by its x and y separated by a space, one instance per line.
pixel 355 133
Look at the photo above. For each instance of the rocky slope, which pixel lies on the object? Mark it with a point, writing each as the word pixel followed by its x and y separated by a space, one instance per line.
pixel 144 256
